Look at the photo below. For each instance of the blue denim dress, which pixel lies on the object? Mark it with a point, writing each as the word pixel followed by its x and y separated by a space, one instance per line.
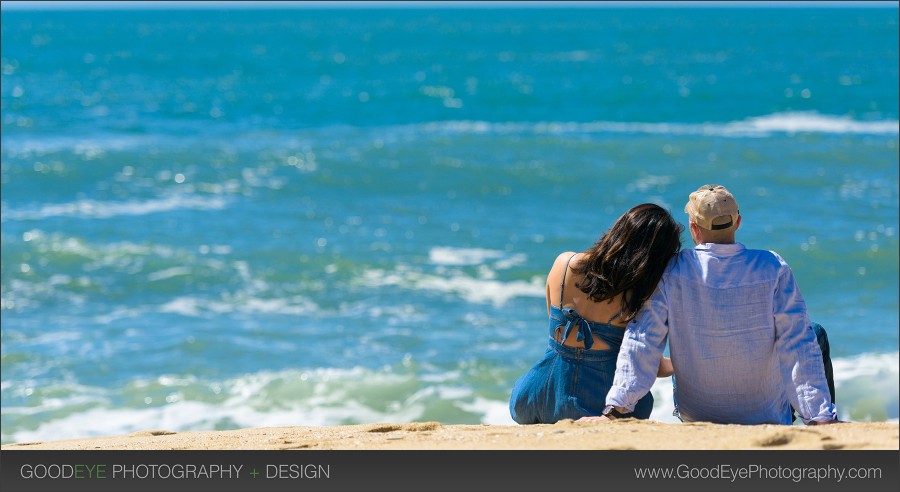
pixel 569 382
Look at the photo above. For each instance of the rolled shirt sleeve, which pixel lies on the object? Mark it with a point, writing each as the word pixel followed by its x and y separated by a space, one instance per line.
pixel 799 356
pixel 642 348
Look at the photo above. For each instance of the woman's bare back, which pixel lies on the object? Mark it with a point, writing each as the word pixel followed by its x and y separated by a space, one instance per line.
pixel 574 298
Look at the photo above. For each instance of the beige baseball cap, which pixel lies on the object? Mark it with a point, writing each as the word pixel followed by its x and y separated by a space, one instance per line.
pixel 712 207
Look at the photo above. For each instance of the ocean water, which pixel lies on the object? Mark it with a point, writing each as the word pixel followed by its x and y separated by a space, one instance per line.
pixel 243 218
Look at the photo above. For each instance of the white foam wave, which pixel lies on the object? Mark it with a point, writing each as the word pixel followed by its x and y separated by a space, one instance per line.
pixel 475 290
pixel 811 122
pixel 492 411
pixel 197 307
pixel 866 384
pixel 787 122
pixel 867 387
pixel 59 243
pixel 94 209
pixel 168 273
pixel 319 397
pixel 78 145
pixel 461 256
pixel 881 365
pixel 790 122
pixel 97 422
pixel 448 256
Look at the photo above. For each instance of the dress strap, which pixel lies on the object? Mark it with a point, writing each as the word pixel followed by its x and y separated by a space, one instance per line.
pixel 562 287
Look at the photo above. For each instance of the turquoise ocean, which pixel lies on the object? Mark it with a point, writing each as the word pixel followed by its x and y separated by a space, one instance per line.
pixel 216 219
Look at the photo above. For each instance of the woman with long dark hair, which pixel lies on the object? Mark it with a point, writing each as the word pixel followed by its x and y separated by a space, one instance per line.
pixel 596 293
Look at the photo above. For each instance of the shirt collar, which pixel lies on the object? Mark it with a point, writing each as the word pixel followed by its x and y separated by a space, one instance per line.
pixel 722 249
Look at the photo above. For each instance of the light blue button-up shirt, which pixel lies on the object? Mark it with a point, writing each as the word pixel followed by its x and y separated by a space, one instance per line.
pixel 739 338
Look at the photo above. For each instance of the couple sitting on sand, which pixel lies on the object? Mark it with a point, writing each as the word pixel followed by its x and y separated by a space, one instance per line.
pixel 742 347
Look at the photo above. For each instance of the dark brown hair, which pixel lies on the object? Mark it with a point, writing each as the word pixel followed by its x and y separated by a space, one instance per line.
pixel 630 258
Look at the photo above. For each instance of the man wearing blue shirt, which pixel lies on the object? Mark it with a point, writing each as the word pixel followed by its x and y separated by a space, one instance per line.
pixel 740 340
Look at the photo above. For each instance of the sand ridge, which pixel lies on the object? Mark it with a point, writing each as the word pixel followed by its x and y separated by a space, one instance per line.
pixel 629 434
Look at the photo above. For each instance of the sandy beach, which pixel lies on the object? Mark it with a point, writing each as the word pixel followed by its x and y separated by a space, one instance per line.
pixel 620 435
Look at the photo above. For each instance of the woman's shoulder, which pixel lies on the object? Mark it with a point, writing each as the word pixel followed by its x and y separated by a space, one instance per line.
pixel 556 274
pixel 563 259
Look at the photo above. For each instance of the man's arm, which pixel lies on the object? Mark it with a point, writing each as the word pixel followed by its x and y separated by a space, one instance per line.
pixel 666 368
pixel 642 348
pixel 800 358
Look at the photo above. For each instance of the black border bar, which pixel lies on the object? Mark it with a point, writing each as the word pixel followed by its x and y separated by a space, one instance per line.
pixel 437 471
